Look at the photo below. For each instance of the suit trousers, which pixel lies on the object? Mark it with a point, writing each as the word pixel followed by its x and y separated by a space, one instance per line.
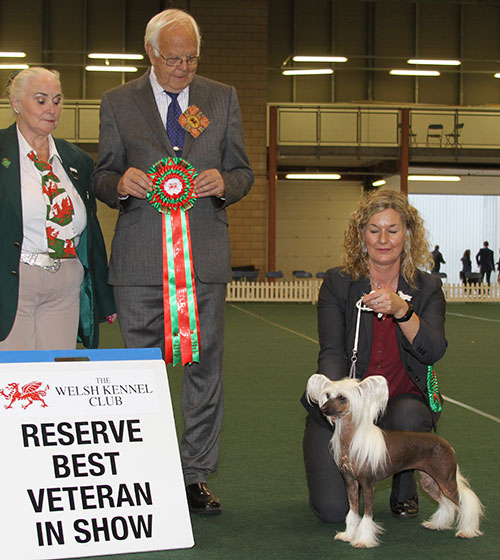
pixel 140 313
pixel 48 308
pixel 327 492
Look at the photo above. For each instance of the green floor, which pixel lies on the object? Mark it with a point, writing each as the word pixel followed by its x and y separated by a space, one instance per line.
pixel 271 350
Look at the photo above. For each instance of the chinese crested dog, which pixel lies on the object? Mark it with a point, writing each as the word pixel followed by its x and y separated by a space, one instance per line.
pixel 366 454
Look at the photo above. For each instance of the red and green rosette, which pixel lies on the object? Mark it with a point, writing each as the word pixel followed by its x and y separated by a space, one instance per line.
pixel 173 195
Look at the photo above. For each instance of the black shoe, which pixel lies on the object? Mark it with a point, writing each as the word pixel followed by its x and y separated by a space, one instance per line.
pixel 201 499
pixel 406 509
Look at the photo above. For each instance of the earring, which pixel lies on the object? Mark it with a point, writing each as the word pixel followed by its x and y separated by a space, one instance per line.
pixel 16 110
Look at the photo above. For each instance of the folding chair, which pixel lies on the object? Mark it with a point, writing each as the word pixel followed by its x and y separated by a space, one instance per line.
pixel 452 139
pixel 435 131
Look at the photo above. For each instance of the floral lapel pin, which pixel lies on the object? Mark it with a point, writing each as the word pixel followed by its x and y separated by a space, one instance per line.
pixel 6 162
pixel 194 121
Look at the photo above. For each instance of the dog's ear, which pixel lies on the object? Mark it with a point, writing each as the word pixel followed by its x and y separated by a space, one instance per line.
pixel 315 386
pixel 376 394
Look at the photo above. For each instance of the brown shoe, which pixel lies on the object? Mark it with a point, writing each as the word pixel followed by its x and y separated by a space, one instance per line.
pixel 201 499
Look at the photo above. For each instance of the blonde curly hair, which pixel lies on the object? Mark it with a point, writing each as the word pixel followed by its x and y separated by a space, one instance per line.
pixel 415 256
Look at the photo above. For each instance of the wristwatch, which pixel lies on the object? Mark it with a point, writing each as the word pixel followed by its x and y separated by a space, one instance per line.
pixel 407 315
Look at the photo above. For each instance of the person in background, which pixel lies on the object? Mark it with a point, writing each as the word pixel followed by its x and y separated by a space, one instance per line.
pixel 401 336
pixel 437 259
pixel 466 267
pixel 485 261
pixel 139 126
pixel 54 267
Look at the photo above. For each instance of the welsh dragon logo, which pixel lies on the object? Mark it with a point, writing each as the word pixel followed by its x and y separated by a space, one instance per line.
pixel 27 395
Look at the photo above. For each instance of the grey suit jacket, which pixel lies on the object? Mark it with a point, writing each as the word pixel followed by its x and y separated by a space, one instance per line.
pixel 132 135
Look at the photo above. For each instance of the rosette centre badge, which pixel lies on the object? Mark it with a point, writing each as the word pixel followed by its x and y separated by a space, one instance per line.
pixel 173 185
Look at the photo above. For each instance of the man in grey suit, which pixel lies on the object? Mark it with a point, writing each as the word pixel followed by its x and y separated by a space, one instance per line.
pixel 133 136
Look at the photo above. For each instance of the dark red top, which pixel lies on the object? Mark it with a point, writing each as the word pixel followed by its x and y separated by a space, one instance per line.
pixel 385 358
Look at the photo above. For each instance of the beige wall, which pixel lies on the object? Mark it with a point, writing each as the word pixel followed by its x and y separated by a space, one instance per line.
pixel 311 219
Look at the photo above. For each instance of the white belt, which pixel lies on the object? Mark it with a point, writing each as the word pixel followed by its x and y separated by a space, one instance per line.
pixel 42 260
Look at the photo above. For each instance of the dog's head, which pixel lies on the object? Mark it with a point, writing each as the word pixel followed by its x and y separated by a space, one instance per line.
pixel 363 399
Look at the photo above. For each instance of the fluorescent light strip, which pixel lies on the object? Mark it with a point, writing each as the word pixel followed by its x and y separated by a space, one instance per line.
pixel 305 72
pixel 111 68
pixel 322 176
pixel 435 62
pixel 414 73
pixel 319 59
pixel 116 56
pixel 450 178
pixel 13 66
pixel 12 54
pixel 378 183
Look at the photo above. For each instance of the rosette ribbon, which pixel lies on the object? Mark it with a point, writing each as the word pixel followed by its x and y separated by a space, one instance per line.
pixel 173 195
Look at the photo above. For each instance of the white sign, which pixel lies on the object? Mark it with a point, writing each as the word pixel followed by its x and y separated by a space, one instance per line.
pixel 90 461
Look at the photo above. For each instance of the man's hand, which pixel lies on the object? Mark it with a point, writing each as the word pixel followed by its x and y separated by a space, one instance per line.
pixel 209 183
pixel 134 182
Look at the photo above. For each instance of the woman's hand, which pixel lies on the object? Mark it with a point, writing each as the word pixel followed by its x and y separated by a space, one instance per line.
pixel 387 302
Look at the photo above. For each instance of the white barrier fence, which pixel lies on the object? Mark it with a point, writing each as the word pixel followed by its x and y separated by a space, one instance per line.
pixel 307 291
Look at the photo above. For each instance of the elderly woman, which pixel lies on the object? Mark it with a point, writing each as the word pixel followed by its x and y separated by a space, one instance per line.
pixel 54 266
pixel 401 336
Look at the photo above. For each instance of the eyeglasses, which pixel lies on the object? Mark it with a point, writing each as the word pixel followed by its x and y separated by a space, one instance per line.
pixel 176 61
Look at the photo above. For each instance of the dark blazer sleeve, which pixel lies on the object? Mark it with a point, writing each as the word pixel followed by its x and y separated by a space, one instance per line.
pixel 429 344
pixel 96 298
pixel 333 359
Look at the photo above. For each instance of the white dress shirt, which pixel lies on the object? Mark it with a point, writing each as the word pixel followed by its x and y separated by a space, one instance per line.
pixel 163 100
pixel 34 203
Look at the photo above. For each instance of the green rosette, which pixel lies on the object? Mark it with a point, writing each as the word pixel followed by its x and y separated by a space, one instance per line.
pixel 173 185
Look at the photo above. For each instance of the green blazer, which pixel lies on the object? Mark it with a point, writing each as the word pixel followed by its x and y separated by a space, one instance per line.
pixel 96 301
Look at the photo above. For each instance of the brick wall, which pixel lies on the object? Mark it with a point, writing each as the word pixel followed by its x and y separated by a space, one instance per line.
pixel 234 51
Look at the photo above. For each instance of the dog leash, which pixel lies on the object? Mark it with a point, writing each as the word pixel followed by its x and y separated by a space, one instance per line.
pixel 354 357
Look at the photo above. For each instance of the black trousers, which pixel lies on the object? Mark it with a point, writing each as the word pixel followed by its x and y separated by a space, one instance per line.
pixel 327 492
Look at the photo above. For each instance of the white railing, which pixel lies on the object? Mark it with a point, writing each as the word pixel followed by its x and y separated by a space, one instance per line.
pixel 281 290
pixel 307 291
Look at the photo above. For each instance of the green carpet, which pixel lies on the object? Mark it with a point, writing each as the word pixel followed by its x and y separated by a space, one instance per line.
pixel 271 350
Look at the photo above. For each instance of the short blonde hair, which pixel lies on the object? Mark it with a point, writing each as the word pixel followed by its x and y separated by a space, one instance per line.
pixel 168 18
pixel 16 86
pixel 415 256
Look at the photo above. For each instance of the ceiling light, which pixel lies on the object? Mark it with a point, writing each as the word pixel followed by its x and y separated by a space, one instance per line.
pixel 13 66
pixel 12 54
pixel 414 73
pixel 111 68
pixel 435 62
pixel 497 75
pixel 319 59
pixel 306 72
pixel 451 178
pixel 322 176
pixel 116 56
pixel 378 183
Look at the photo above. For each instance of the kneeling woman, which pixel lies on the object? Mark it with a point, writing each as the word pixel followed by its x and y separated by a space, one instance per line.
pixel 383 258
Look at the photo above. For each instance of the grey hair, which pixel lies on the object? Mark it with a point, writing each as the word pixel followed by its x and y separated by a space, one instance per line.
pixel 16 86
pixel 169 18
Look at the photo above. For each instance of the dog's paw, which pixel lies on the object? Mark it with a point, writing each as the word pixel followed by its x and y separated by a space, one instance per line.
pixel 365 544
pixel 468 534
pixel 433 526
pixel 343 536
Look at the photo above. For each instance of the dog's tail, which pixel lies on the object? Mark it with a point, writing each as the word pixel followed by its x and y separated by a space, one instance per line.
pixel 470 510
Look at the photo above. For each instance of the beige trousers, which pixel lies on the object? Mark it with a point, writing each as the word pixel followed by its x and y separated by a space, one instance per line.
pixel 48 308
